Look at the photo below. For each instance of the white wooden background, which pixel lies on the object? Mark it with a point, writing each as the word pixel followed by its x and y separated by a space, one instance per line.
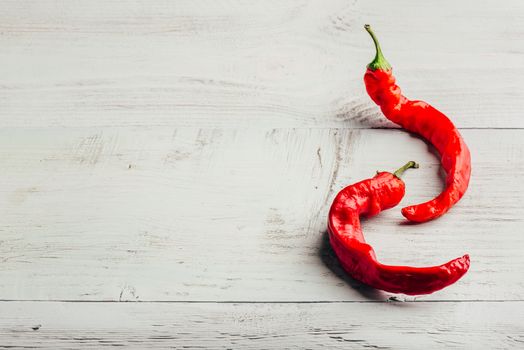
pixel 181 156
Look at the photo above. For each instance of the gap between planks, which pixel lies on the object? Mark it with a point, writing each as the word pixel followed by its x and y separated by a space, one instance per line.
pixel 388 300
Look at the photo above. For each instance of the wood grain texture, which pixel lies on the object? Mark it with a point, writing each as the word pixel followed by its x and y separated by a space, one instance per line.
pixel 210 214
pixel 255 326
pixel 184 154
pixel 210 63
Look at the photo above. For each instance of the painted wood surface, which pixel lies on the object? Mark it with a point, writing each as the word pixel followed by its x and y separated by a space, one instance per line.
pixel 207 214
pixel 183 155
pixel 465 325
pixel 234 63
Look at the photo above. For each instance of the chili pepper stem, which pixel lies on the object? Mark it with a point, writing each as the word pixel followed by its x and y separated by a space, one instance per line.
pixel 379 62
pixel 400 171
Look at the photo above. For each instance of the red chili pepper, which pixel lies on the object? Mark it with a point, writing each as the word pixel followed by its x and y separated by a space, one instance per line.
pixel 421 118
pixel 368 198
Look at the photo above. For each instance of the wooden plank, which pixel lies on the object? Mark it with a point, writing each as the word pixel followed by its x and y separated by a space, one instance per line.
pixel 211 214
pixel 453 325
pixel 235 63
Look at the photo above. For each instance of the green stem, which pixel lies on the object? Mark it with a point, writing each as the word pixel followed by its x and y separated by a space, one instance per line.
pixel 400 171
pixel 379 62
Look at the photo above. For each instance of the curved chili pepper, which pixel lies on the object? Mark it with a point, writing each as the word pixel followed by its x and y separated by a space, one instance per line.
pixel 369 197
pixel 421 118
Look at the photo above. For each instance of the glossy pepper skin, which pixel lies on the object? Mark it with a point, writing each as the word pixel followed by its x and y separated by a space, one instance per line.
pixel 368 198
pixel 421 118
